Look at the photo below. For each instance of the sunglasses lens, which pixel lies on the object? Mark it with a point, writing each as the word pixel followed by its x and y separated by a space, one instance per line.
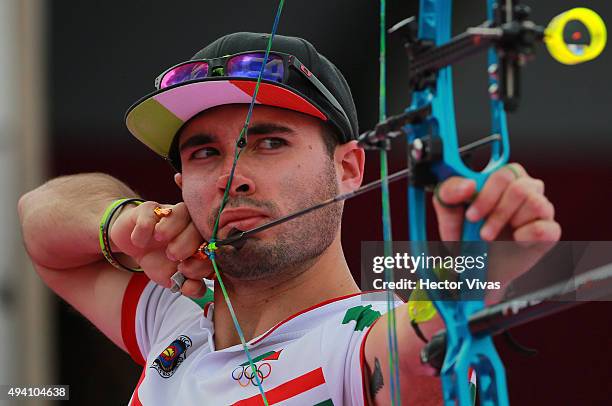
pixel 187 71
pixel 249 65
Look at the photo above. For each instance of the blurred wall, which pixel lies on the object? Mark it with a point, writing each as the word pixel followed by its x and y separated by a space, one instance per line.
pixel 26 319
pixel 103 56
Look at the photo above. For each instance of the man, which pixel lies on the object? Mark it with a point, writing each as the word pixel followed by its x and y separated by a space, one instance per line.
pixel 311 339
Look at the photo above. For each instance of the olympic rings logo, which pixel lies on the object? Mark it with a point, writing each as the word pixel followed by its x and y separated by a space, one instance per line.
pixel 245 374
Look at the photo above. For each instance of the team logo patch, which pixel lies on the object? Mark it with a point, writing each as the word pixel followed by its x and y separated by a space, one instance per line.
pixel 244 374
pixel 168 361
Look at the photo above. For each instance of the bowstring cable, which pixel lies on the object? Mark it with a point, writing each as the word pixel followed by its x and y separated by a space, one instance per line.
pixel 386 216
pixel 240 144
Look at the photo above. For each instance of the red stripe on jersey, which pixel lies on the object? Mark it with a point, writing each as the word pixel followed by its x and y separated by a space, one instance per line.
pixel 287 390
pixel 135 398
pixel 336 299
pixel 206 307
pixel 273 357
pixel 137 283
pixel 277 96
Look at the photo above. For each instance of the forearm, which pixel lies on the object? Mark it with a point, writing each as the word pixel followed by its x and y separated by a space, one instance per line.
pixel 60 219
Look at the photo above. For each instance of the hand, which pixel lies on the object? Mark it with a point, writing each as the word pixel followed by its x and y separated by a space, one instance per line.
pixel 162 246
pixel 511 201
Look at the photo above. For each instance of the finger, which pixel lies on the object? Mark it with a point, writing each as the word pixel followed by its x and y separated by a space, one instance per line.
pixel 453 191
pixel 158 268
pixel 492 191
pixel 540 230
pixel 145 224
pixel 193 268
pixel 512 200
pixel 169 227
pixel 536 207
pixel 456 191
pixel 185 244
pixel 193 288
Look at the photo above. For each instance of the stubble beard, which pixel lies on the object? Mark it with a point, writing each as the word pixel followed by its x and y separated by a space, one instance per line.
pixel 300 241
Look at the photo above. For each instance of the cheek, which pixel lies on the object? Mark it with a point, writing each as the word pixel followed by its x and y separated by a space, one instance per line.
pixel 311 181
pixel 197 195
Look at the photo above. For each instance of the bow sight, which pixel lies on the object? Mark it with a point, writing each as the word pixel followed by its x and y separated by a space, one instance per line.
pixel 575 36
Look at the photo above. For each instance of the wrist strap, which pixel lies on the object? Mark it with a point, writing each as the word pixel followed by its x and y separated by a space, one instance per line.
pixel 103 235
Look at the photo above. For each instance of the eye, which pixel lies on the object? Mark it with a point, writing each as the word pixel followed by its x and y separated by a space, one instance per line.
pixel 271 143
pixel 204 153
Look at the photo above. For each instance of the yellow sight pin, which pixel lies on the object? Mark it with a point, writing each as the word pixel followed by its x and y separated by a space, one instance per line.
pixel 575 36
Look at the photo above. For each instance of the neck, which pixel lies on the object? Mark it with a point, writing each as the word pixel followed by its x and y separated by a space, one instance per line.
pixel 261 304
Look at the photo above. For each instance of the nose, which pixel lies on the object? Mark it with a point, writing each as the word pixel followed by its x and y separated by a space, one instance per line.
pixel 241 185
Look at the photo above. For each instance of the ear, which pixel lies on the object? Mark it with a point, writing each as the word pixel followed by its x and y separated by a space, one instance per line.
pixel 350 162
pixel 178 179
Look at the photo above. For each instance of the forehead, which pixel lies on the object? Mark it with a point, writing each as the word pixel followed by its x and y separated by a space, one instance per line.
pixel 231 118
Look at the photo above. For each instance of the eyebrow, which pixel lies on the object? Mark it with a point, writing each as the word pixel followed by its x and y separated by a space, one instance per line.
pixel 198 139
pixel 269 128
pixel 255 129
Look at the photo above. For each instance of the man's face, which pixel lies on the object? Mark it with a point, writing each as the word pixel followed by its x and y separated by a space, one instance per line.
pixel 284 167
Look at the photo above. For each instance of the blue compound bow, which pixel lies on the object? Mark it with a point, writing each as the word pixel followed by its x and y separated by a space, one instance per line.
pixel 434 153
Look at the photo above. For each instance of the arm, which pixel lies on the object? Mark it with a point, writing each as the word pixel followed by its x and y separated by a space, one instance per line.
pixel 418 384
pixel 60 222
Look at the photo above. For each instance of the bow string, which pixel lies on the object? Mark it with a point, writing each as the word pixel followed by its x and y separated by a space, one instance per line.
pixel 241 143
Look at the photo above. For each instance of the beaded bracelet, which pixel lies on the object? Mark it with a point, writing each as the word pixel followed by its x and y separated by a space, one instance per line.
pixel 103 235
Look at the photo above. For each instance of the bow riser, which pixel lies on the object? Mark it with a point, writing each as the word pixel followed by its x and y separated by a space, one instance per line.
pixel 463 350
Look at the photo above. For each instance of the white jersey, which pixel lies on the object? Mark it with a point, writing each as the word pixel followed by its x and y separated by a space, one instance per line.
pixel 315 357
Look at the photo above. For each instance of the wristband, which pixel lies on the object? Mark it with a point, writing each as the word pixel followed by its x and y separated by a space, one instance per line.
pixel 103 235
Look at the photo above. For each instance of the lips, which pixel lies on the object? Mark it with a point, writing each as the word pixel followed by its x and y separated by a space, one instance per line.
pixel 241 218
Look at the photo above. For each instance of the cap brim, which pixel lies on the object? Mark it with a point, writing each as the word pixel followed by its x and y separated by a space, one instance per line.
pixel 156 118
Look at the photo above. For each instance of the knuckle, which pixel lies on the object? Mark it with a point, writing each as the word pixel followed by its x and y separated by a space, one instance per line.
pixel 191 288
pixel 172 251
pixel 180 207
pixel 484 201
pixel 520 168
pixel 503 176
pixel 539 185
pixel 181 250
pixel 495 223
pixel 159 276
pixel 454 228
pixel 541 207
pixel 540 231
pixel 147 207
pixel 160 234
pixel 186 267
pixel 518 190
pixel 144 220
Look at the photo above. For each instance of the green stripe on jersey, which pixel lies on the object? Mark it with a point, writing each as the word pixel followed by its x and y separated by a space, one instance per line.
pixel 364 316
